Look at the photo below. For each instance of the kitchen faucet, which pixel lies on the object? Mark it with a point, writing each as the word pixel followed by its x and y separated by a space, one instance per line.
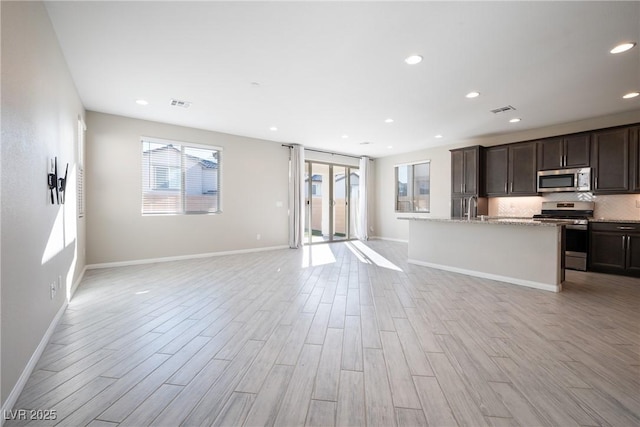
pixel 474 198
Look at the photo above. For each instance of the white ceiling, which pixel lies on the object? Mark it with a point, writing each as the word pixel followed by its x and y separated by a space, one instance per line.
pixel 327 69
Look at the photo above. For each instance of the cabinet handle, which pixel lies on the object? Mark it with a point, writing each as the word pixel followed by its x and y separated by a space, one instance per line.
pixel 505 188
pixel 628 252
pixel 561 160
pixel 596 183
pixel 625 228
pixel 511 191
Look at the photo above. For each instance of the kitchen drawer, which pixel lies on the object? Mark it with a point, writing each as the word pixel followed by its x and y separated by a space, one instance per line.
pixel 622 227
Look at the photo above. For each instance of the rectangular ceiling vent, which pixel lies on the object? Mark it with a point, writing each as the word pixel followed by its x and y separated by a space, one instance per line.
pixel 503 109
pixel 178 103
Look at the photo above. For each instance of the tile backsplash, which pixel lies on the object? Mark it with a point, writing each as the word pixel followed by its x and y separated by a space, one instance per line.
pixel 621 207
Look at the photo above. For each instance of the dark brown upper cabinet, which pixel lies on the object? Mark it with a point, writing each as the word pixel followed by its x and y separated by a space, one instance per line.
pixel 612 160
pixel 564 152
pixel 522 169
pixel 510 170
pixel 634 134
pixel 467 179
pixel 465 171
pixel 497 170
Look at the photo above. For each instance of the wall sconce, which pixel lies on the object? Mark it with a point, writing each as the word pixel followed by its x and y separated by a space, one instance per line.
pixel 56 184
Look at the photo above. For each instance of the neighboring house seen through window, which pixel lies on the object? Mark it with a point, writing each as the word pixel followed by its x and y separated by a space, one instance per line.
pixel 413 187
pixel 180 178
pixel 167 177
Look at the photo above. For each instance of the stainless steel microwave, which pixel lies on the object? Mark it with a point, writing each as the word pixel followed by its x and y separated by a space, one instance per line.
pixel 564 180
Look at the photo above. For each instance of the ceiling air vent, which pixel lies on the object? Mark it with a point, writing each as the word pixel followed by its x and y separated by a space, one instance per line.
pixel 178 103
pixel 503 109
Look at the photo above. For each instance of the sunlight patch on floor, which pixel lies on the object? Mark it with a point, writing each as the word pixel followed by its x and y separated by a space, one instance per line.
pixel 369 256
pixel 317 255
pixel 357 253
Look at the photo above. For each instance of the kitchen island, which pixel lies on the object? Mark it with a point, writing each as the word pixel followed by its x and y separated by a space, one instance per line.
pixel 520 251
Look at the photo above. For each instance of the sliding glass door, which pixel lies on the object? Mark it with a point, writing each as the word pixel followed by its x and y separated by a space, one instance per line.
pixel 340 203
pixel 354 205
pixel 330 194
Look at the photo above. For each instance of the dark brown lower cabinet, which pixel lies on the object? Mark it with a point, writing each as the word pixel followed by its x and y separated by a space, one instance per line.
pixel 615 248
pixel 633 253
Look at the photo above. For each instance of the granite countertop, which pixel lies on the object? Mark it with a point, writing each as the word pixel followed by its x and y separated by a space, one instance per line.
pixel 494 220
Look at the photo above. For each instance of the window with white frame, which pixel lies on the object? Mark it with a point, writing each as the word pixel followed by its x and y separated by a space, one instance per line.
pixel 180 178
pixel 413 187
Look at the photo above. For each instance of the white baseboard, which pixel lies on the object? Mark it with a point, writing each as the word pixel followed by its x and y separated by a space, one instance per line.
pixel 28 370
pixel 499 278
pixel 389 239
pixel 181 257
pixel 75 285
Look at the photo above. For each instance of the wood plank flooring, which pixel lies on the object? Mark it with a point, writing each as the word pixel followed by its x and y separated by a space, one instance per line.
pixel 344 334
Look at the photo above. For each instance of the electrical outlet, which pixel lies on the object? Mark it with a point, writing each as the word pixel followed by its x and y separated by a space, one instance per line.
pixel 53 289
pixel 59 282
pixel 258 236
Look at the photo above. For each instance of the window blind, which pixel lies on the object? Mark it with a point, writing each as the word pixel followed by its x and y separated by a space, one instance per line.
pixel 80 165
pixel 179 178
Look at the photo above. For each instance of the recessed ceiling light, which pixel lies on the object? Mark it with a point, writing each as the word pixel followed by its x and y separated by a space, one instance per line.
pixel 273 128
pixel 413 59
pixel 438 136
pixel 388 121
pixel 473 94
pixel 389 147
pixel 631 95
pixel 345 136
pixel 623 47
pixel 142 102
pixel 515 120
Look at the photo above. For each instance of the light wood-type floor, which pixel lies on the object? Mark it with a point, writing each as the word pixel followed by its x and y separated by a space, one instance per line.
pixel 347 335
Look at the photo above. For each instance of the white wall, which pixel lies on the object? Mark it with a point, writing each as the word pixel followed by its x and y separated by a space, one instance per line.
pixel 388 226
pixel 40 241
pixel 254 178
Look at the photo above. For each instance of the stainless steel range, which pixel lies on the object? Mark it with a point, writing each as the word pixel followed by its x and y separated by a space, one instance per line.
pixel 577 214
